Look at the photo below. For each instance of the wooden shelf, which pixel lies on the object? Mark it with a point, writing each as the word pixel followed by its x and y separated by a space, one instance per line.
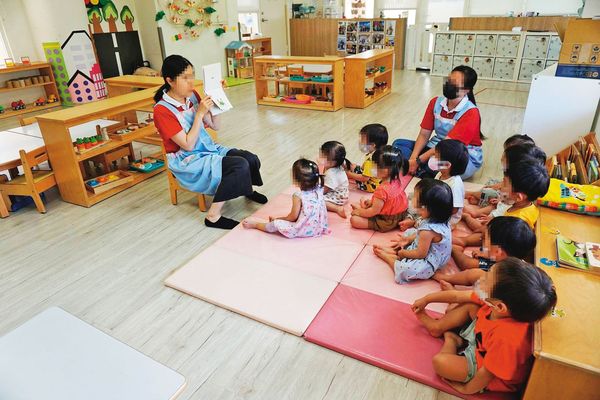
pixel 7 89
pixel 137 178
pixel 113 144
pixel 29 108
pixel 264 88
pixel 21 67
pixel 355 77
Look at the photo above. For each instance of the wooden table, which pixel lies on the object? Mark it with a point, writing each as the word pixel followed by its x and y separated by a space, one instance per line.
pixel 56 356
pixel 10 144
pixel 566 349
pixel 78 131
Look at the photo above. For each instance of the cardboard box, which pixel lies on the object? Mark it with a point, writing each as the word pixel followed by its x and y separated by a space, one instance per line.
pixel 580 51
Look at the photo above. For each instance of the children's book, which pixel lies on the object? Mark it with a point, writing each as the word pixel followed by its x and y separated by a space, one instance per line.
pixel 214 88
pixel 583 256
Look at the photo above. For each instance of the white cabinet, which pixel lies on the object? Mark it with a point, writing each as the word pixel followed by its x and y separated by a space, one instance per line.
pixel 508 45
pixel 502 55
pixel 462 60
pixel 530 67
pixel 504 69
pixel 444 43
pixel 442 65
pixel 465 43
pixel 484 66
pixel 535 46
pixel 485 44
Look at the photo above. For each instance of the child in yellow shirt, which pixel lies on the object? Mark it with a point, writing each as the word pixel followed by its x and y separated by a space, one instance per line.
pixel 371 137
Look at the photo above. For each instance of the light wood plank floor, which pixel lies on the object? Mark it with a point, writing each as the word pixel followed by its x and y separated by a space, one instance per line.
pixel 107 264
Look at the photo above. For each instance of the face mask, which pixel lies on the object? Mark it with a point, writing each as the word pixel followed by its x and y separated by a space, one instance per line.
pixel 365 148
pixel 505 197
pixel 435 165
pixel 450 90
pixel 482 294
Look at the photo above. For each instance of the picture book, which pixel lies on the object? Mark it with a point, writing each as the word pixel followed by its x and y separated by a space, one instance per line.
pixel 214 88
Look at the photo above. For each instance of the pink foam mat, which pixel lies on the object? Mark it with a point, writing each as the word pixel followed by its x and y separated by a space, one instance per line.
pixel 281 297
pixel 381 332
pixel 326 256
pixel 371 274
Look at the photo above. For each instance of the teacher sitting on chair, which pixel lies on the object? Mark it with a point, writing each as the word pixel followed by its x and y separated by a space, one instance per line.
pixel 453 116
pixel 199 164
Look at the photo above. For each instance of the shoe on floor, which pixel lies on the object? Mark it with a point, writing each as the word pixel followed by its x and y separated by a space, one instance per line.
pixel 258 197
pixel 222 223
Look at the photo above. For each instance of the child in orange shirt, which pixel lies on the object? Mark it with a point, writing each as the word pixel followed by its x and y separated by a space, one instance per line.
pixel 389 203
pixel 494 351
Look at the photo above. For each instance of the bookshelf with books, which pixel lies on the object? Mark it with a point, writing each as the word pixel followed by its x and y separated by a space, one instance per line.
pixel 577 163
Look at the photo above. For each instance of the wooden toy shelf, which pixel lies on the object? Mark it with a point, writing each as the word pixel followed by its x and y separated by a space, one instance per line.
pixel 358 80
pixel 261 46
pixel 273 83
pixel 66 162
pixel 18 73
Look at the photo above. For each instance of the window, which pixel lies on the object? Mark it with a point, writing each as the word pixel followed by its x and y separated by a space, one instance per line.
pixel 248 23
pixel 399 13
pixel 4 49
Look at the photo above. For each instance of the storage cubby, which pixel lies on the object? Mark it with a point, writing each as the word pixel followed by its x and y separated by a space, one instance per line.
pixel 368 77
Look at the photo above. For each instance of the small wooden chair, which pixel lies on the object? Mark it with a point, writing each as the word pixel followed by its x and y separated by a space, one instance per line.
pixel 174 185
pixel 32 182
pixel 27 121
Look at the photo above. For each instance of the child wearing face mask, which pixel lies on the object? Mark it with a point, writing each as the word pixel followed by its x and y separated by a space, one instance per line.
pixel 505 237
pixel 333 157
pixel 493 352
pixel 523 183
pixel 371 138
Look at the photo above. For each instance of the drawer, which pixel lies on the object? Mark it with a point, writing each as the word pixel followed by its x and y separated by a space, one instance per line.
pixel 444 43
pixel 535 46
pixel 530 67
pixel 485 44
pixel 442 65
pixel 462 60
pixel 508 46
pixel 465 44
pixel 484 66
pixel 504 68
pixel 554 48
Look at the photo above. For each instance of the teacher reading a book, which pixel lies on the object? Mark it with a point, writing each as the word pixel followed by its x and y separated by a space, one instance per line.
pixel 198 163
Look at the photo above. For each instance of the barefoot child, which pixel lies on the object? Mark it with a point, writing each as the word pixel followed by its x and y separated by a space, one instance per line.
pixel 335 188
pixel 371 137
pixel 388 205
pixel 308 217
pixel 505 237
pixel 427 251
pixel 494 351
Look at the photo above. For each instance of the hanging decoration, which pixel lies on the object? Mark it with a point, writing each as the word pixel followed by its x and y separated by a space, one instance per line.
pixel 191 16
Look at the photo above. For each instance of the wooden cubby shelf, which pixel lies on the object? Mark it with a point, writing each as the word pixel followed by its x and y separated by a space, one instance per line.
pixel 358 80
pixel 274 86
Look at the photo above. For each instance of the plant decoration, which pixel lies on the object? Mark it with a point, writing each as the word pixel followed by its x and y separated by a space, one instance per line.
pixel 192 16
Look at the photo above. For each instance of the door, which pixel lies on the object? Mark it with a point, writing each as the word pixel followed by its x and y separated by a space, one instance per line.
pixel 273 23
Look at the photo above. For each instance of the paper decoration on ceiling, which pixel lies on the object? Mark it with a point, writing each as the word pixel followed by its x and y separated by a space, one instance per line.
pixel 358 9
pixel 192 16
pixel 76 69
pixel 105 10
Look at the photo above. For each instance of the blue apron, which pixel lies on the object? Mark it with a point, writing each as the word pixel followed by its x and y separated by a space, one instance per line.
pixel 443 126
pixel 198 170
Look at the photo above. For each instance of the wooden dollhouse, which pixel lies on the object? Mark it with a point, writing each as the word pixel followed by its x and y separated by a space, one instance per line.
pixel 239 59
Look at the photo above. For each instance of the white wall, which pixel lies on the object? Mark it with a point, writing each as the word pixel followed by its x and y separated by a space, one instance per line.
pixel 544 7
pixel 18 31
pixel 248 5
pixel 147 28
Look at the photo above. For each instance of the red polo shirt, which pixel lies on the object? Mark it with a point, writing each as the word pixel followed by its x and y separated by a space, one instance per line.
pixel 167 123
pixel 466 130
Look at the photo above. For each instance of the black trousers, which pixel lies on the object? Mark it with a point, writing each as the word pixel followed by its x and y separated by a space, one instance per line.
pixel 240 171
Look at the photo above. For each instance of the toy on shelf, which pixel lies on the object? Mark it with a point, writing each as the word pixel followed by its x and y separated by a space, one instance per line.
pixel 322 78
pixel 108 181
pixel 299 99
pixel 239 59
pixel 52 99
pixel 87 143
pixel 1 109
pixel 17 105
pixel 147 164
pixel 40 102
pixel 296 74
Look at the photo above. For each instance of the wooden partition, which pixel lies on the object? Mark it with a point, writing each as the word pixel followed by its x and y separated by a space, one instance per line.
pixel 317 37
pixel 507 23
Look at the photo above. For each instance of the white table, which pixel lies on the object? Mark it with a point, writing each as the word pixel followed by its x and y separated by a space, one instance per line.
pixel 11 143
pixel 78 131
pixel 58 356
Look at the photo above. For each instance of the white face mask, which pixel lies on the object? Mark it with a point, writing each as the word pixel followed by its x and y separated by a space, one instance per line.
pixel 482 294
pixel 365 148
pixel 436 165
pixel 505 197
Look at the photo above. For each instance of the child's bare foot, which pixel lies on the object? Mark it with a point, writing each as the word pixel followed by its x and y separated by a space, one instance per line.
pixel 341 211
pixel 390 259
pixel 446 285
pixel 451 337
pixel 249 224
pixel 429 323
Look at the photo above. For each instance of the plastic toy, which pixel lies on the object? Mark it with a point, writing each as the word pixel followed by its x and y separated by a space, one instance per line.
pixel 17 105
pixel 52 99
pixel 1 110
pixel 40 101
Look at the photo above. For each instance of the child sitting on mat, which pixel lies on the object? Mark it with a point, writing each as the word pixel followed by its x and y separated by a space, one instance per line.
pixel 505 237
pixel 333 156
pixel 494 351
pixel 523 183
pixel 308 217
pixel 388 205
pixel 372 137
pixel 421 255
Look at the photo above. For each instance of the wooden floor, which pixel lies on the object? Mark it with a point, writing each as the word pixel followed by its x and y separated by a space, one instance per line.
pixel 107 264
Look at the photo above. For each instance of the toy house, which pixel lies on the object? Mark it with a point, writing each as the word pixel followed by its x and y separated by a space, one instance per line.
pixel 81 88
pixel 239 59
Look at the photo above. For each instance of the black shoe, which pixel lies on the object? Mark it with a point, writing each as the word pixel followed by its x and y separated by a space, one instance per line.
pixel 222 223
pixel 258 198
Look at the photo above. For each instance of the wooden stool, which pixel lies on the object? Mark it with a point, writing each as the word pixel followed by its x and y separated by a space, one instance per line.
pixel 174 185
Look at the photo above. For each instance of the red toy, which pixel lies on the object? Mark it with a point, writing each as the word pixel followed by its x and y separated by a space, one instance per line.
pixel 17 105
pixel 40 102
